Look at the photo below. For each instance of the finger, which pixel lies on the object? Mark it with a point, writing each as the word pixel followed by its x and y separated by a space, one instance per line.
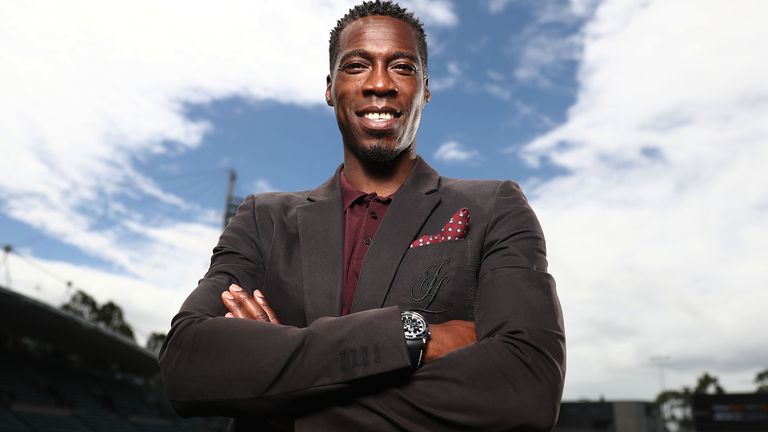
pixel 228 315
pixel 248 304
pixel 232 305
pixel 262 301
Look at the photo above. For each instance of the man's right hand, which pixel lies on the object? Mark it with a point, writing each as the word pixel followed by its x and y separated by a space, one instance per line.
pixel 242 305
pixel 449 336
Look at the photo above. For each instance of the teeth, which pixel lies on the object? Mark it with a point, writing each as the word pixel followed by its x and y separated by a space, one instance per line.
pixel 378 116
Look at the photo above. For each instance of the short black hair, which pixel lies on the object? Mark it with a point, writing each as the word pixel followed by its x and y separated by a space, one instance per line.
pixel 378 8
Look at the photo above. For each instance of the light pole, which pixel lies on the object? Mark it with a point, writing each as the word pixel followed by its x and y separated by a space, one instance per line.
pixel 7 249
pixel 661 361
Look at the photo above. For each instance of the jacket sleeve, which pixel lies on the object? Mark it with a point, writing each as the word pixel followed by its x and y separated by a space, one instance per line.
pixel 512 378
pixel 213 365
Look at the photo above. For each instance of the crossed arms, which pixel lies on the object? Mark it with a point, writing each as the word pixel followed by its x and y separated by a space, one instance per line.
pixel 511 378
pixel 445 337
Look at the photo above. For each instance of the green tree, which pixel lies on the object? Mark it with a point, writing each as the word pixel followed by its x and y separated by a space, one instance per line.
pixel 761 380
pixel 155 341
pixel 83 305
pixel 675 408
pixel 708 384
pixel 108 315
pixel 675 405
pixel 111 317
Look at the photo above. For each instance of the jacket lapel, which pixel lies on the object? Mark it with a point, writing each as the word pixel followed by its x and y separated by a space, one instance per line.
pixel 409 210
pixel 321 242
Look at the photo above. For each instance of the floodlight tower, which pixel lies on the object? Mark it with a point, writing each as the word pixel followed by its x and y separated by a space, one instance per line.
pixel 7 249
pixel 230 207
pixel 661 361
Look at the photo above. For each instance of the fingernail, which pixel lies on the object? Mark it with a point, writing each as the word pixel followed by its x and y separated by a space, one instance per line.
pixel 229 296
pixel 234 287
pixel 258 294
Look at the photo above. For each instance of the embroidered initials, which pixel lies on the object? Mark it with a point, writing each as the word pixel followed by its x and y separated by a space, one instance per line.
pixel 427 287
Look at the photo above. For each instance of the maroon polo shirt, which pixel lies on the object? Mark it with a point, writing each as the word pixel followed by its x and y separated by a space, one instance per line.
pixel 362 216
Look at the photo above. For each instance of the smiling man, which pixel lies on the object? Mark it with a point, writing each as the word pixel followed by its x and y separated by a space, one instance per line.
pixel 389 298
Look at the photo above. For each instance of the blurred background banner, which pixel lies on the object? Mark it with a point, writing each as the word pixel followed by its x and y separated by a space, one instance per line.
pixel 636 127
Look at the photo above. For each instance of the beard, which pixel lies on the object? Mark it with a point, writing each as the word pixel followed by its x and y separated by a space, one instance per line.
pixel 379 154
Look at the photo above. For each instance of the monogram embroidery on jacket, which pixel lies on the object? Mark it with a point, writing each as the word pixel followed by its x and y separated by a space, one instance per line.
pixel 427 287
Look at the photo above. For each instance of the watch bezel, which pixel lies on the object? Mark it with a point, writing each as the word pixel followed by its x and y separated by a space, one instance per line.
pixel 410 331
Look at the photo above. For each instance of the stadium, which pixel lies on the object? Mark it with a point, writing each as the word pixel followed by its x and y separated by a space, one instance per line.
pixel 62 373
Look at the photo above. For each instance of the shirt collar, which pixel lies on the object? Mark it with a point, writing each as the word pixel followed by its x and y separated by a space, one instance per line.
pixel 350 195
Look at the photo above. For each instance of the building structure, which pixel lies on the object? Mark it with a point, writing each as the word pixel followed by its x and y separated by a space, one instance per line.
pixel 604 416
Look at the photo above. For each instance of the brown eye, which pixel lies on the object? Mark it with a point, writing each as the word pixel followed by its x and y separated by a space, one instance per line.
pixel 405 68
pixel 353 67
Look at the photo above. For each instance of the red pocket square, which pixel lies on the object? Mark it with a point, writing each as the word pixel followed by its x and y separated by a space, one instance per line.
pixel 455 229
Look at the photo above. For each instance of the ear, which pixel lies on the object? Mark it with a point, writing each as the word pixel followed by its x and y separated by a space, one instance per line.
pixel 328 93
pixel 427 93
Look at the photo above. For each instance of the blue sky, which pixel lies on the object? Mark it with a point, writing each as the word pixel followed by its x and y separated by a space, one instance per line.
pixel 274 145
pixel 479 109
pixel 472 105
pixel 635 127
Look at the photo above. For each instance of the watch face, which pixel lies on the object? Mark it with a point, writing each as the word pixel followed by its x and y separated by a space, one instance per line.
pixel 414 325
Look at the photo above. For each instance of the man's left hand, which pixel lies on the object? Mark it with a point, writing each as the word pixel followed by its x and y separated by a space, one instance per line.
pixel 241 305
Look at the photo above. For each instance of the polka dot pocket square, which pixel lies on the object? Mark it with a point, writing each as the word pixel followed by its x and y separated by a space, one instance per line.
pixel 455 229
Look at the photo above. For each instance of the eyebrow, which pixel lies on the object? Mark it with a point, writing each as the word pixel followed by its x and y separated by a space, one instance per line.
pixel 367 55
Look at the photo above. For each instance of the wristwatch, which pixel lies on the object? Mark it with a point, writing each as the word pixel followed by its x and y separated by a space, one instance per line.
pixel 416 331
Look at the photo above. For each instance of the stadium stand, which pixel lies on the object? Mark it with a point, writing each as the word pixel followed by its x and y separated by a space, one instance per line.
pixel 60 373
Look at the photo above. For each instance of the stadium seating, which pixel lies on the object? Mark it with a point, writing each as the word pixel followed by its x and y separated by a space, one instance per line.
pixel 39 395
pixel 61 373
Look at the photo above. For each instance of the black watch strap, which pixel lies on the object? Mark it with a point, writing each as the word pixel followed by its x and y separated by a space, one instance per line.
pixel 416 332
pixel 416 349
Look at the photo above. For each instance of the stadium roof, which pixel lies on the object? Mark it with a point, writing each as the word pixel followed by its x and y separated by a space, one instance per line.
pixel 23 316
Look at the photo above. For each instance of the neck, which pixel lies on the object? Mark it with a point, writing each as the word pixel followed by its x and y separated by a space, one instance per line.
pixel 383 179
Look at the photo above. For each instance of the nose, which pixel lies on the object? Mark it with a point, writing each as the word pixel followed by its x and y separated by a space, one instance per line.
pixel 379 83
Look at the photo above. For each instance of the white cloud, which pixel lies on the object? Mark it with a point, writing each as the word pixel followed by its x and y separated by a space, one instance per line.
pixel 263 185
pixel 432 12
pixel 448 81
pixel 543 56
pixel 497 6
pixel 531 116
pixel 495 75
pixel 498 86
pixel 453 152
pixel 500 91
pixel 659 235
pixel 90 90
pixel 550 41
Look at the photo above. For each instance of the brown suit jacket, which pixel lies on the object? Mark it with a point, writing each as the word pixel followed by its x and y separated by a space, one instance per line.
pixel 319 371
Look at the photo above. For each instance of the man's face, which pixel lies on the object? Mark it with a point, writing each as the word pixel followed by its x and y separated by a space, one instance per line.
pixel 378 88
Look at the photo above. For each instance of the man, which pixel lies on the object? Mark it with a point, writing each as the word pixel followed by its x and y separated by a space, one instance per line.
pixel 315 310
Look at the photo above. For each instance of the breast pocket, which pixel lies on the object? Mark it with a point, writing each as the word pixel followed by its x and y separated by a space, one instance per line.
pixel 436 280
